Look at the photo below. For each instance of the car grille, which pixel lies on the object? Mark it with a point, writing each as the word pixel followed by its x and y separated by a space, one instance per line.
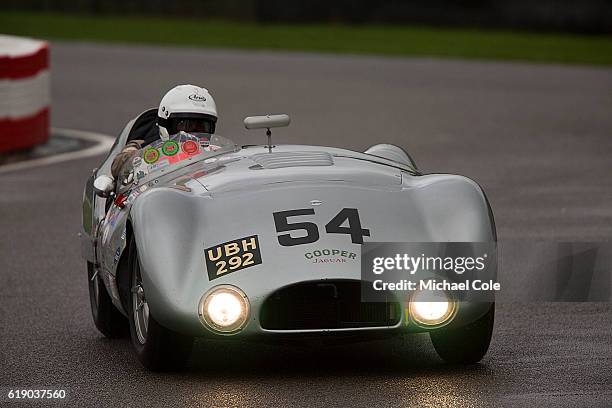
pixel 326 305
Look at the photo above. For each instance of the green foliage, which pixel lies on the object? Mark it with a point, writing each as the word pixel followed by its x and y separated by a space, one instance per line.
pixel 374 40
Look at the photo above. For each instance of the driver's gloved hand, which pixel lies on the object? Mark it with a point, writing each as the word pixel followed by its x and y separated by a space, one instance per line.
pixel 126 154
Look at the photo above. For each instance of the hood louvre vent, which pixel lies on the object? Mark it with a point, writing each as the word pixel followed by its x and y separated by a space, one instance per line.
pixel 277 160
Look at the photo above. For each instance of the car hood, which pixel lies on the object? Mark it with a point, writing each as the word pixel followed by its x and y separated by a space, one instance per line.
pixel 256 166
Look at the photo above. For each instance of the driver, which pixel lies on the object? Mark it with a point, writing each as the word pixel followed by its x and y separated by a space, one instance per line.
pixel 186 108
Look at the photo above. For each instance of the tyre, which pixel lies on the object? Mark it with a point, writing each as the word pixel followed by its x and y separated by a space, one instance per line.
pixel 157 348
pixel 467 344
pixel 109 321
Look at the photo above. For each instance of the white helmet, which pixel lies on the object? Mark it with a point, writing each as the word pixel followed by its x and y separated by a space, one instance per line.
pixel 188 108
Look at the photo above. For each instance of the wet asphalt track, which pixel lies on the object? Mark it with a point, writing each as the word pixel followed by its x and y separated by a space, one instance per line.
pixel 538 138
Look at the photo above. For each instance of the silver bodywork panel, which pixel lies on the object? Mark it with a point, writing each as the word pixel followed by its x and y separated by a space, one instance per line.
pixel 234 195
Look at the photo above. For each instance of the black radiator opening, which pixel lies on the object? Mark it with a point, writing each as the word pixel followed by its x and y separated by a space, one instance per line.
pixel 326 305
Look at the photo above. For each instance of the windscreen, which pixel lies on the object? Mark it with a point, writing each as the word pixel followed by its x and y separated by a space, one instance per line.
pixel 176 152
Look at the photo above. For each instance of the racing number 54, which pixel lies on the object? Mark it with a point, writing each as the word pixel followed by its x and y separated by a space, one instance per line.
pixel 349 215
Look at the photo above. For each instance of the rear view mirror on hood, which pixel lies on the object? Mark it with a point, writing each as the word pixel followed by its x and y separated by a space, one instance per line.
pixel 267 121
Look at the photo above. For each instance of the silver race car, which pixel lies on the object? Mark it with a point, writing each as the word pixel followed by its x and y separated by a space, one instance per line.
pixel 198 237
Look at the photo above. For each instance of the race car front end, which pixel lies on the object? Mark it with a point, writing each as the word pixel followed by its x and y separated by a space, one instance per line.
pixel 283 259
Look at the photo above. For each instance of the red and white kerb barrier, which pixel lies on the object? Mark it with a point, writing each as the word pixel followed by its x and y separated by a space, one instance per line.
pixel 24 93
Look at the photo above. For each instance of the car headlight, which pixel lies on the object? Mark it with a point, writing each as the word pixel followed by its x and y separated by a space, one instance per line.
pixel 224 309
pixel 431 308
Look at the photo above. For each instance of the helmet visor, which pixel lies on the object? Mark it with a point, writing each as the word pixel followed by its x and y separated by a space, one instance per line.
pixel 191 124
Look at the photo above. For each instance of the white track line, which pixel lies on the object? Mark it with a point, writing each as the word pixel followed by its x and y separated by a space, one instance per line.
pixel 102 146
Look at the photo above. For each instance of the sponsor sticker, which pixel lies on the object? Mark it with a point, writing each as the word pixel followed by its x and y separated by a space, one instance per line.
pixel 232 256
pixel 190 147
pixel 160 165
pixel 151 155
pixel 133 195
pixel 170 148
pixel 330 256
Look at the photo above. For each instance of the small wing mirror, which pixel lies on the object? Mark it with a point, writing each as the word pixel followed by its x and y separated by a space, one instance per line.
pixel 266 121
pixel 103 186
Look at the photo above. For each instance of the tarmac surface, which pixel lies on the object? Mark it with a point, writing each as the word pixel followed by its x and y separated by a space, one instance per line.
pixel 56 144
pixel 538 138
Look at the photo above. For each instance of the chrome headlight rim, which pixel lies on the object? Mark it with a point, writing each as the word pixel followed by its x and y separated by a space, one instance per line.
pixel 210 324
pixel 422 323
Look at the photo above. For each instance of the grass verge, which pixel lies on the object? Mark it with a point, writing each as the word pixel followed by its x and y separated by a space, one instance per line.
pixel 374 40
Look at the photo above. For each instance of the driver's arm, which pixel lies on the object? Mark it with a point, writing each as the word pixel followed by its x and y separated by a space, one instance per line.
pixel 124 155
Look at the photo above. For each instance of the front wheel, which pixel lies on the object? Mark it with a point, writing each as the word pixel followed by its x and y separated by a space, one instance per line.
pixel 467 344
pixel 157 348
pixel 109 321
